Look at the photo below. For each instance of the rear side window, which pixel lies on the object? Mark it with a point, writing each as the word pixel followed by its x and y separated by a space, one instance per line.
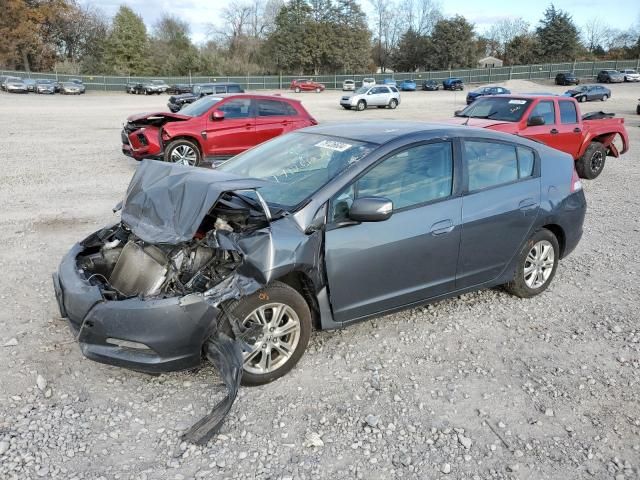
pixel 568 113
pixel 490 164
pixel 545 110
pixel 221 89
pixel 526 162
pixel 274 108
pixel 234 89
pixel 394 89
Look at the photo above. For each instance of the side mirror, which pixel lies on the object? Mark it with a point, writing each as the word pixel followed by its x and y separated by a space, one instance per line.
pixel 457 113
pixel 217 115
pixel 371 209
pixel 535 121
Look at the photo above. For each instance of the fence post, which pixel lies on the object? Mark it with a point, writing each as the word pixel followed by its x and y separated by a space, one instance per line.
pixel 335 81
pixel 510 71
pixel 530 71
pixel 638 64
pixel 593 69
pixel 104 82
pixel 490 71
pixel 616 67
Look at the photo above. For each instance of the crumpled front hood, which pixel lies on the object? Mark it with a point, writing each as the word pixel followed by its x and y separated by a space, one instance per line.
pixel 167 202
pixel 157 116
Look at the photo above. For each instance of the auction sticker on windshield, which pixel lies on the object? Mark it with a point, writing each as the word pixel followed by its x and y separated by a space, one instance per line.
pixel 333 145
pixel 517 102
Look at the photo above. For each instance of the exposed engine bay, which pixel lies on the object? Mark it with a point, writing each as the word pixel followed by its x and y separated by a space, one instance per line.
pixel 125 266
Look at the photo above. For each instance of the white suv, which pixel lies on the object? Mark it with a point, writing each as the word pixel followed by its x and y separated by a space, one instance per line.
pixel 630 75
pixel 380 96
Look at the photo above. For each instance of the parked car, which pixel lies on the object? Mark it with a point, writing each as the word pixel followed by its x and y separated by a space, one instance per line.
pixel 638 107
pixel 176 102
pixel 178 88
pixel 30 83
pixel 319 228
pixel 389 82
pixel 555 121
pixel 630 75
pixel 45 86
pixel 303 85
pixel 2 80
pixel 368 82
pixel 408 85
pixel 430 85
pixel 348 85
pixel 212 128
pixel 15 85
pixel 380 96
pixel 133 87
pixel 7 79
pixel 588 93
pixel 610 76
pixel 453 83
pixel 79 83
pixel 567 78
pixel 484 91
pixel 70 88
pixel 154 86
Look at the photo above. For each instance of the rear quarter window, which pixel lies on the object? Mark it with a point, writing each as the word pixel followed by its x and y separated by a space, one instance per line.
pixel 274 108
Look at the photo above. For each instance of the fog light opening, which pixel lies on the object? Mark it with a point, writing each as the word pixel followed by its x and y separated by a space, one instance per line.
pixel 128 344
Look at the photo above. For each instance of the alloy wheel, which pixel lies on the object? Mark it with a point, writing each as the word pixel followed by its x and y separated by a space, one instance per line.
pixel 597 160
pixel 539 264
pixel 184 155
pixel 278 341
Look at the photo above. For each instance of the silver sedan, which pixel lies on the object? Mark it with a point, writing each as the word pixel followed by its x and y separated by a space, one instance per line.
pixel 380 96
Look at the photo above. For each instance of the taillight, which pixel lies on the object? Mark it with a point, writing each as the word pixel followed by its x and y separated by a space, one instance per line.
pixel 576 183
pixel 313 121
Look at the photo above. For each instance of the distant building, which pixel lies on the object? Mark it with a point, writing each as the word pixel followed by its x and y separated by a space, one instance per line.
pixel 489 62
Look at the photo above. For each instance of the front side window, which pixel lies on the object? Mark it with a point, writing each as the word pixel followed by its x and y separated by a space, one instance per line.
pixel 236 108
pixel 411 177
pixel 545 110
pixel 568 113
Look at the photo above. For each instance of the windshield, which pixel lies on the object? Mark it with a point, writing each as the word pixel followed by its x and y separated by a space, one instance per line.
pixel 497 108
pixel 199 107
pixel 297 165
pixel 362 90
pixel 157 82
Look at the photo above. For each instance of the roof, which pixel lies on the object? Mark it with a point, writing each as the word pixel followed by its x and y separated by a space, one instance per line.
pixel 489 58
pixel 380 132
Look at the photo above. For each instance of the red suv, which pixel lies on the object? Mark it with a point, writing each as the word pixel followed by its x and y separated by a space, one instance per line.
pixel 213 128
pixel 303 85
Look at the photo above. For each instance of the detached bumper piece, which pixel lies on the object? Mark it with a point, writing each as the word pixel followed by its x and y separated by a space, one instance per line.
pixel 226 356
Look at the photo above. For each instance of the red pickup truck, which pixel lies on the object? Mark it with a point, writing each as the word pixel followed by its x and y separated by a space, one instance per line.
pixel 555 121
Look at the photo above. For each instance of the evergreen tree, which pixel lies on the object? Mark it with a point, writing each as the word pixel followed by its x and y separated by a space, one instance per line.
pixel 558 37
pixel 127 47
pixel 453 43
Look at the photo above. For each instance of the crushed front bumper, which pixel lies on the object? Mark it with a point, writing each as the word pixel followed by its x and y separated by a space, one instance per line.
pixel 153 336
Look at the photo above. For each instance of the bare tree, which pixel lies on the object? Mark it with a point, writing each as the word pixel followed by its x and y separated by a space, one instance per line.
pixel 502 32
pixel 596 33
pixel 388 27
pixel 421 15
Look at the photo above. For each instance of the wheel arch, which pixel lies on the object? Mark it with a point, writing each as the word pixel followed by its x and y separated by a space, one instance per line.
pixel 559 233
pixel 302 283
pixel 183 136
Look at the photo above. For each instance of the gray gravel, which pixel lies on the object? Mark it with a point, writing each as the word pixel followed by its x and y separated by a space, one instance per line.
pixel 480 386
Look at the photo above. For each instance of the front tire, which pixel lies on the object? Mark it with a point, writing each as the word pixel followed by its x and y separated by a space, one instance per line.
pixel 537 265
pixel 582 99
pixel 285 318
pixel 318 90
pixel 591 163
pixel 297 90
pixel 361 105
pixel 184 152
pixel 605 97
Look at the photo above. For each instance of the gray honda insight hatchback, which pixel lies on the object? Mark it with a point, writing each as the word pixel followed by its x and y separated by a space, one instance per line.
pixel 318 228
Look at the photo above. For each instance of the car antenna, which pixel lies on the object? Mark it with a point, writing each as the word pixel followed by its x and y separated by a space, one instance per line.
pixel 466 122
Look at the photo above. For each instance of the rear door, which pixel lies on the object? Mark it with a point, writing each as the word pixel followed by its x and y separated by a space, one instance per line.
pixel 499 208
pixel 233 134
pixel 569 127
pixel 273 118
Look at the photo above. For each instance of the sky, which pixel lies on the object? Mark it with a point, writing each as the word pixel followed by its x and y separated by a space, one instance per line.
pixel 202 14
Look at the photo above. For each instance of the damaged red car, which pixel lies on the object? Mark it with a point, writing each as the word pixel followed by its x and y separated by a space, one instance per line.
pixel 212 129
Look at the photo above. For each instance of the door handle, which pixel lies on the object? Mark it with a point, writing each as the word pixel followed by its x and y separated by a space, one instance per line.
pixel 577 130
pixel 527 205
pixel 442 227
pixel 553 131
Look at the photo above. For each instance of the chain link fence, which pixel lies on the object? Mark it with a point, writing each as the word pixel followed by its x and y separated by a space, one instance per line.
pixel 584 70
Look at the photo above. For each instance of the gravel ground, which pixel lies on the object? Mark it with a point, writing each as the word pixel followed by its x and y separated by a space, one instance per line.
pixel 480 386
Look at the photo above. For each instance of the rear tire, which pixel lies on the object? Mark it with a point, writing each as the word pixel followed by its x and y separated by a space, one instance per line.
pixel 582 99
pixel 318 90
pixel 361 105
pixel 591 163
pixel 537 265
pixel 605 97
pixel 260 307
pixel 297 90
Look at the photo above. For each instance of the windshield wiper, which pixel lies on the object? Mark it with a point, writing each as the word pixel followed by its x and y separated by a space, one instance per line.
pixel 487 116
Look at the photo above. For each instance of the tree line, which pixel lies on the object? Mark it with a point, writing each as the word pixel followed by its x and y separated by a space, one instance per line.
pixel 292 37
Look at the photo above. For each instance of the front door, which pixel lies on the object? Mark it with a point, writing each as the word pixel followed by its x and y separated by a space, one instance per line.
pixel 234 133
pixel 377 266
pixel 498 211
